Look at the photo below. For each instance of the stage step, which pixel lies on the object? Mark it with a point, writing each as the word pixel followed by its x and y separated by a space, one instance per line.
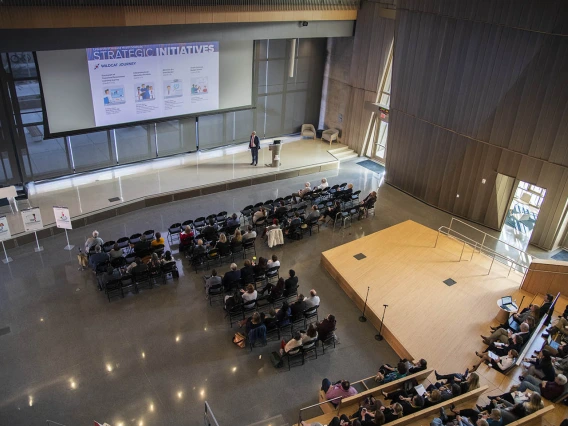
pixel 343 154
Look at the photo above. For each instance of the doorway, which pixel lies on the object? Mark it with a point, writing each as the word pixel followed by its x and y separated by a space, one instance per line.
pixel 523 213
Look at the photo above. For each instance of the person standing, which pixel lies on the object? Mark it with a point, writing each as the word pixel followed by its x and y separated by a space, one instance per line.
pixel 254 146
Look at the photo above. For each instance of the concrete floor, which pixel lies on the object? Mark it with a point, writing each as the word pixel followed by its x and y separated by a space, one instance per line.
pixel 154 358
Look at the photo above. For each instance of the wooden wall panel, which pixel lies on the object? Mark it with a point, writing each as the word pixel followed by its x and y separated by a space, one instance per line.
pixel 472 100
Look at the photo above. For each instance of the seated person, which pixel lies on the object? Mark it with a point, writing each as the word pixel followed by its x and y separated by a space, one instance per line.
pixel 412 405
pixel 280 210
pixel 506 401
pixel 310 334
pixel 167 258
pixel 237 238
pixel 515 342
pixel 158 241
pixel 222 244
pixel 251 233
pixel 368 202
pixel 347 191
pixel 541 366
pixel 503 335
pixel 249 294
pixel 387 373
pixel 297 308
pixel 531 311
pixel 500 365
pixel 291 283
pixel 338 390
pixel 293 343
pixel 312 214
pixel 247 273
pixel 467 381
pixel 140 267
pixel 326 328
pixel 274 262
pixel 275 225
pixel 303 192
pixel 448 391
pixel 312 299
pixel 233 221
pixel 331 212
pixel 470 417
pixel 323 184
pixel 186 238
pixel 209 232
pixel 155 263
pixel 142 246
pixel 111 275
pixel 251 323
pixel 199 249
pixel 259 215
pixel 561 326
pixel 283 315
pixel 293 224
pixel 232 278
pixel 273 291
pixel 549 390
pixel 213 280
pixel 260 267
pixel 93 241
pixel 116 252
pixel 97 258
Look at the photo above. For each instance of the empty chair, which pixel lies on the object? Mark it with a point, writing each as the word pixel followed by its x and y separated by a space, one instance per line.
pixel 212 257
pixel 108 246
pixel 257 206
pixel 313 223
pixel 246 214
pixel 211 216
pixel 142 279
pixel 130 258
pixel 342 186
pixel 330 135
pixel 169 269
pixel 292 354
pixel 199 222
pixel 272 274
pixel 149 234
pixel 236 313
pixel 308 131
pixel 238 250
pixel 114 287
pixel 214 292
pixel 310 314
pixel 288 199
pixel 134 238
pixel 187 223
pixel 173 231
pixel 277 200
pixel 221 217
pixel 355 196
pixel 310 347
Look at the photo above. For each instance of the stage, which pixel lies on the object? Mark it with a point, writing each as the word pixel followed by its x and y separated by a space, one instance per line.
pixel 425 317
pixel 169 179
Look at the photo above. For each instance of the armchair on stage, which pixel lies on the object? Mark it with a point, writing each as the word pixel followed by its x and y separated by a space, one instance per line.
pixel 330 135
pixel 308 131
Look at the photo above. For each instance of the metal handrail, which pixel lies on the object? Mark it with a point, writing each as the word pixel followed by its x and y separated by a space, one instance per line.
pixel 485 235
pixel 51 422
pixel 209 415
pixel 316 405
pixel 482 249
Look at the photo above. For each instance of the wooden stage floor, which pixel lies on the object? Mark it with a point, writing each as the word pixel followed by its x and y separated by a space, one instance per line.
pixel 426 318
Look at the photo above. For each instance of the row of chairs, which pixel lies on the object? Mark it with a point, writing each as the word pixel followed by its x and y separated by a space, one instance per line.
pixel 214 256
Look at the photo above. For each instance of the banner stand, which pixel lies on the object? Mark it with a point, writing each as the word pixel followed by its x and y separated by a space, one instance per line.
pixel 8 259
pixel 68 246
pixel 38 248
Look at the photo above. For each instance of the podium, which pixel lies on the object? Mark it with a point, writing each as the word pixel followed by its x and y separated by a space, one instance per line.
pixel 275 149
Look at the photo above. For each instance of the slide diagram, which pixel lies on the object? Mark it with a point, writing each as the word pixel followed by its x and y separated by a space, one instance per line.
pixel 153 81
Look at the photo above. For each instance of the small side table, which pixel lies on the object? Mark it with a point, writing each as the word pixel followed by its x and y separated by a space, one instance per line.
pixel 503 314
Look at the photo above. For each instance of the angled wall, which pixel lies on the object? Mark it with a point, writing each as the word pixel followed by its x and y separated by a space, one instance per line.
pixel 481 88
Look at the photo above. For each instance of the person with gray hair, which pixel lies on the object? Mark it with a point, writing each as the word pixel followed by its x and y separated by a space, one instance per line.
pixel 254 146
pixel 549 390
pixel 97 258
pixel 232 278
pixel 93 241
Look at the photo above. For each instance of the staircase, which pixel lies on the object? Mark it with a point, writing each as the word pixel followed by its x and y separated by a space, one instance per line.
pixel 343 153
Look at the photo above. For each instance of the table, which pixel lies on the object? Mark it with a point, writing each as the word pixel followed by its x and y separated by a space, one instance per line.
pixel 503 314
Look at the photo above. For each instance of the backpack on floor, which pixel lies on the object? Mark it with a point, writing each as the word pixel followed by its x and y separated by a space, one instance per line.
pixel 276 360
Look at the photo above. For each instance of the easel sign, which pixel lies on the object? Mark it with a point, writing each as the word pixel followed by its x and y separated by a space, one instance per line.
pixel 33 222
pixel 5 234
pixel 63 221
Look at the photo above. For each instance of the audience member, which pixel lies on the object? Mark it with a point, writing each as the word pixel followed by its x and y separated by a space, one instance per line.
pixel 116 252
pixel 222 244
pixel 540 366
pixel 259 215
pixel 501 349
pixel 387 373
pixel 275 225
pixel 312 300
pixel 209 232
pixel 561 326
pixel 323 184
pixel 305 190
pixel 167 258
pixel 310 334
pixel 274 262
pixel 94 240
pixel 337 391
pixel 312 214
pixel 549 390
pixel 283 315
pixel 293 343
pixel 249 294
pixel 140 267
pixel 111 275
pixel 185 239
pixel 158 241
pixel 501 364
pixel 213 280
pixel 260 267
pixel 297 308
pixel 232 278
pixel 251 233
pixel 331 212
pixel 199 249
pixel 412 405
pixel 142 246
pixel 237 238
pixel 280 210
pixel 155 262
pixel 97 257
pixel 291 284
pixel 233 221
pixel 273 291
pixel 503 335
pixel 367 203
pixel 326 328
pixel 252 322
pixel 247 273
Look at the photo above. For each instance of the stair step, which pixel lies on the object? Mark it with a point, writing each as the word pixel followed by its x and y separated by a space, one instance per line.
pixel 334 151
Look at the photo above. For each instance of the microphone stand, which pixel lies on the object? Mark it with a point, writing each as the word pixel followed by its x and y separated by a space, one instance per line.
pixel 362 318
pixel 379 336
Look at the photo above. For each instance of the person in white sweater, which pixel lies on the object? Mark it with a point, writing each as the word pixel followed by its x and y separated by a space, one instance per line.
pixel 312 300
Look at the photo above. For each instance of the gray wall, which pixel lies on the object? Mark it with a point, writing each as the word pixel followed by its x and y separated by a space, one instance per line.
pixel 472 97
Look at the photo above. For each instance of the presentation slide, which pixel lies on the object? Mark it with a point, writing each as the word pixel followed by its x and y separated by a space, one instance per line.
pixel 137 83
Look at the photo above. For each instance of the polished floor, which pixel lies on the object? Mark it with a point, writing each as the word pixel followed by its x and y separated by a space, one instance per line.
pixel 154 358
pixel 91 192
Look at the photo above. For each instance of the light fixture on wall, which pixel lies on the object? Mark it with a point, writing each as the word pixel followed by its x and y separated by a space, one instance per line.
pixel 292 61
pixel 303 23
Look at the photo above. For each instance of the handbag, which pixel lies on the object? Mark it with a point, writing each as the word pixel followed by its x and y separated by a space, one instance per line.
pixel 239 340
pixel 276 360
